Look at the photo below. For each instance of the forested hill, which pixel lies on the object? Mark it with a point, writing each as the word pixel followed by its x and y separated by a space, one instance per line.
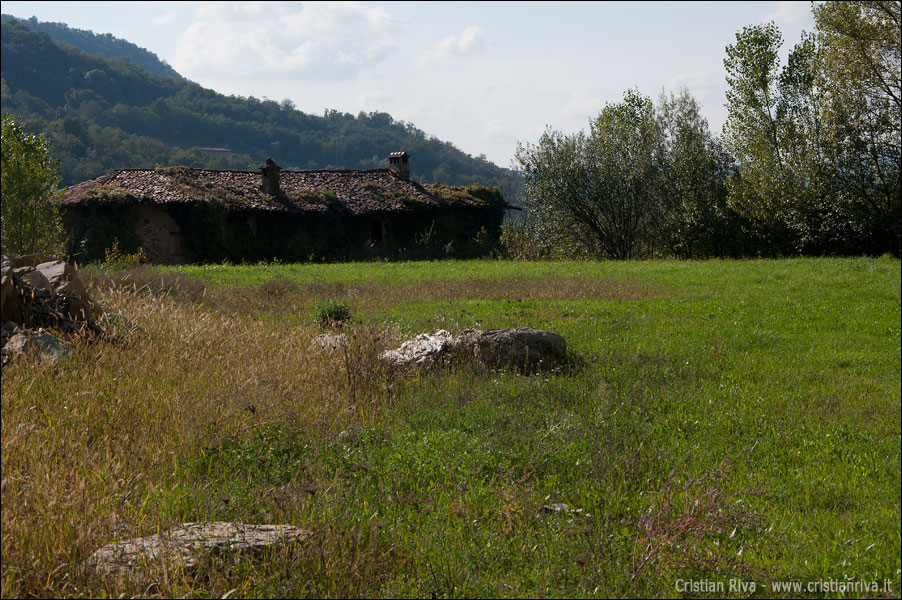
pixel 105 44
pixel 102 114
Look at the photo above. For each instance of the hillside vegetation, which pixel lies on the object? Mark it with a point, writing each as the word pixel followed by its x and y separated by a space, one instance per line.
pixel 106 45
pixel 719 421
pixel 102 114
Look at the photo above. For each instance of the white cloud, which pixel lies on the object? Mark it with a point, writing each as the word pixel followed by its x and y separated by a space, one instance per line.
pixel 582 106
pixel 704 87
pixel 165 18
pixel 373 99
pixel 324 41
pixel 468 43
pixel 692 81
pixel 788 13
pixel 498 132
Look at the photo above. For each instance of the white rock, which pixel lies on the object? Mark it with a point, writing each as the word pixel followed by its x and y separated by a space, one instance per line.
pixel 422 351
pixel 185 545
pixel 522 348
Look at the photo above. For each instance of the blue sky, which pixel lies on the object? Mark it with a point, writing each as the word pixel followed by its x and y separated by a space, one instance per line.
pixel 482 75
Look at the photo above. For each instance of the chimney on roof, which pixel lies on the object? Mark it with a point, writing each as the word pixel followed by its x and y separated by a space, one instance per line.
pixel 270 171
pixel 399 162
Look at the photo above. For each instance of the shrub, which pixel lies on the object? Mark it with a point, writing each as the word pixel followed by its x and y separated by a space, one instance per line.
pixel 331 313
pixel 116 260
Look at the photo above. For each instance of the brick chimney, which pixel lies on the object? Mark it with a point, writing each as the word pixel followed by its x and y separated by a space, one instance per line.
pixel 399 162
pixel 270 171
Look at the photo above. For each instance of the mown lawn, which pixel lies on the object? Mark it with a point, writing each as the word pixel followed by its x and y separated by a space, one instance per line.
pixel 722 423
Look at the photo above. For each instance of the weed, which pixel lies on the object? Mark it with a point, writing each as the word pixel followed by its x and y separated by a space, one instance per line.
pixel 116 260
pixel 331 313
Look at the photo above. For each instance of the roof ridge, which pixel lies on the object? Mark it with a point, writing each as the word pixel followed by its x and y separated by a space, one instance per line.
pixel 254 172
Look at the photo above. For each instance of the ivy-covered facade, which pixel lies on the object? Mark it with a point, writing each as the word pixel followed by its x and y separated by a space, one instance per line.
pixel 182 215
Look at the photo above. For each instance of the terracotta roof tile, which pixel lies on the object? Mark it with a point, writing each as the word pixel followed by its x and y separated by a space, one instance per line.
pixel 356 192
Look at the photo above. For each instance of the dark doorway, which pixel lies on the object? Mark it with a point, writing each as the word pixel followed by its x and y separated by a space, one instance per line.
pixel 376 232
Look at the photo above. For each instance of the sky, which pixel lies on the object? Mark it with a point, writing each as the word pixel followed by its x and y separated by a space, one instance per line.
pixel 484 76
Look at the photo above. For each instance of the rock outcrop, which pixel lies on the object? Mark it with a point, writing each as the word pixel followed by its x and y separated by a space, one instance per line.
pixel 186 545
pixel 521 348
pixel 423 351
pixel 41 301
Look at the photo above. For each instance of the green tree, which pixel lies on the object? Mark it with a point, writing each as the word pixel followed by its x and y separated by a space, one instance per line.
pixel 598 192
pixel 696 220
pixel 31 221
pixel 862 48
pixel 818 142
pixel 753 134
pixel 859 63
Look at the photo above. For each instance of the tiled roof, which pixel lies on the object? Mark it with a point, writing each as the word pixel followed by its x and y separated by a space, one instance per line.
pixel 357 192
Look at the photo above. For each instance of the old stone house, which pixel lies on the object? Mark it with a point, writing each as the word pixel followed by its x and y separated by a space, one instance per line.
pixel 180 214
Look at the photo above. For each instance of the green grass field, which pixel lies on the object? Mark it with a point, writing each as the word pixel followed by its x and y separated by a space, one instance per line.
pixel 725 427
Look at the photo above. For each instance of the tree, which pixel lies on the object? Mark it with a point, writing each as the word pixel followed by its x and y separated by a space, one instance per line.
pixel 31 221
pixel 863 49
pixel 859 63
pixel 753 133
pixel 600 191
pixel 696 220
pixel 818 142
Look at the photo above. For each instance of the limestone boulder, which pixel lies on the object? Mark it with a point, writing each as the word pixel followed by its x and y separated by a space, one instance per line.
pixel 35 280
pixel 64 279
pixel 38 345
pixel 27 260
pixel 521 348
pixel 41 292
pixel 423 351
pixel 186 545
pixel 11 305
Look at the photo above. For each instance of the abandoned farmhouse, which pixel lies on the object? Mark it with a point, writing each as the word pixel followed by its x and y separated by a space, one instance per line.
pixel 179 214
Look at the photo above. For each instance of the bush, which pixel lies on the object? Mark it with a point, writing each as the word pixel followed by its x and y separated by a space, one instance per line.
pixel 331 313
pixel 117 260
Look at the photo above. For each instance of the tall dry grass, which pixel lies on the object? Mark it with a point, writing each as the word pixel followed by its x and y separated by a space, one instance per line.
pixel 94 447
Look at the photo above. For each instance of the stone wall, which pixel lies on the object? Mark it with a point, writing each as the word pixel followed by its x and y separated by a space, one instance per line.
pixel 159 235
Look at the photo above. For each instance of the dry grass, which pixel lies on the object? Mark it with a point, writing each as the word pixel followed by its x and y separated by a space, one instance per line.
pixel 285 296
pixel 92 446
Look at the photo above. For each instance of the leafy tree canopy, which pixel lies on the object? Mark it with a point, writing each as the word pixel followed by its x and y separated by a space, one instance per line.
pixel 30 219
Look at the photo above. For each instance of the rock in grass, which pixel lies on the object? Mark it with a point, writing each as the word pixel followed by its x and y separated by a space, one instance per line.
pixel 328 342
pixel 423 351
pixel 11 305
pixel 184 546
pixel 38 345
pixel 63 278
pixel 522 348
pixel 562 508
pixel 38 291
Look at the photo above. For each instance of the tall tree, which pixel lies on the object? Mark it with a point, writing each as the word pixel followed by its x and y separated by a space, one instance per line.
pixel 859 62
pixel 696 219
pixel 818 142
pixel 752 131
pixel 31 221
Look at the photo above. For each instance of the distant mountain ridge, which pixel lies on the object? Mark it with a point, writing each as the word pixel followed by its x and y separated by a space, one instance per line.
pixel 102 114
pixel 103 44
